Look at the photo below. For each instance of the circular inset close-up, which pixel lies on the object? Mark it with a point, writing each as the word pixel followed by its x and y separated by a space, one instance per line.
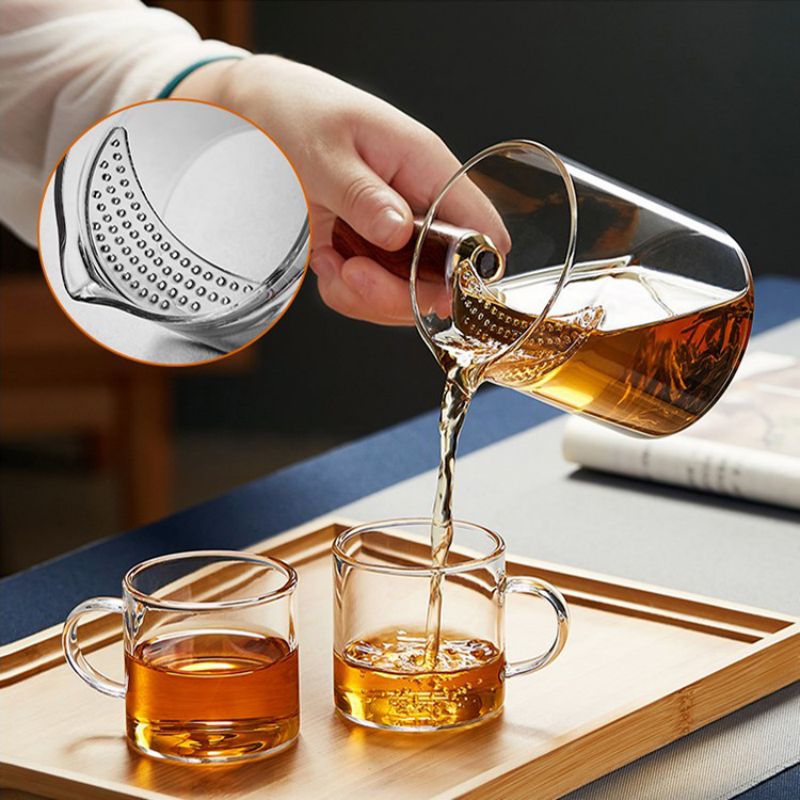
pixel 174 232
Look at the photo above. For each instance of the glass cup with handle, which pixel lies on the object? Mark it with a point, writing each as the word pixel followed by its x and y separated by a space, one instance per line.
pixel 211 664
pixel 384 674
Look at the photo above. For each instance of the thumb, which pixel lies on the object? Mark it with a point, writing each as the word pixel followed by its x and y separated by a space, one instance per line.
pixel 368 204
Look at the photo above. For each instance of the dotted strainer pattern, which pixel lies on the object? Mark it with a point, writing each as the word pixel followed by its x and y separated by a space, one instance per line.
pixel 487 327
pixel 138 254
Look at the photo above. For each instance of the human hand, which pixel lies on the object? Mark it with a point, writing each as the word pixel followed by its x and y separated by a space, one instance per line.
pixel 358 158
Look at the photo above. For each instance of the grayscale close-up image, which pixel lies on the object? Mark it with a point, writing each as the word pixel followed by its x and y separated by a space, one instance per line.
pixel 174 232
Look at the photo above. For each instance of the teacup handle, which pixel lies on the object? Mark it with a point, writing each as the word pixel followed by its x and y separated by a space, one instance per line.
pixel 537 588
pixel 74 654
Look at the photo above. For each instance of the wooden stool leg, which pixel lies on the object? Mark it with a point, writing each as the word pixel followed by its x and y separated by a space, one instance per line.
pixel 145 439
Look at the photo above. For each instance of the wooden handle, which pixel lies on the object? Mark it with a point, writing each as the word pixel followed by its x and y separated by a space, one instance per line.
pixel 432 259
pixel 439 241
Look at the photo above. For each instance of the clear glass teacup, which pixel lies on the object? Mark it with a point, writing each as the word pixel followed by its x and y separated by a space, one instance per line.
pixel 211 667
pixel 390 670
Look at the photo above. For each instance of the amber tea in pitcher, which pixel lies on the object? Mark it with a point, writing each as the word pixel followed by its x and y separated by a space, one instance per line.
pixel 645 351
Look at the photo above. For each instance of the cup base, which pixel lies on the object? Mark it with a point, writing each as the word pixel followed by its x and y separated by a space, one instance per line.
pixel 217 743
pixel 469 723
pixel 212 760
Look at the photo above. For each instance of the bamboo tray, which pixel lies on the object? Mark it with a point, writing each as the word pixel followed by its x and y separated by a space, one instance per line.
pixel 643 666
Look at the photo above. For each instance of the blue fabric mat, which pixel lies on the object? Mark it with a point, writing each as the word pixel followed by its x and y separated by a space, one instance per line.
pixel 783 786
pixel 42 596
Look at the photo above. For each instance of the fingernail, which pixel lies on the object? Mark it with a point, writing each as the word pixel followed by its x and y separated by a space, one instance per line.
pixel 385 225
pixel 322 265
pixel 355 278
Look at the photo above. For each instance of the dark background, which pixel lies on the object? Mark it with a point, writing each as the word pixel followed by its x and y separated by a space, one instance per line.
pixel 695 103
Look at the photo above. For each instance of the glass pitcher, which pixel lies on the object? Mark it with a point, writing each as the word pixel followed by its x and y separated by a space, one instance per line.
pixel 567 285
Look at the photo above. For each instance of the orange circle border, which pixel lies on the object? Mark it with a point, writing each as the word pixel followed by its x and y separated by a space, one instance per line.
pixel 110 349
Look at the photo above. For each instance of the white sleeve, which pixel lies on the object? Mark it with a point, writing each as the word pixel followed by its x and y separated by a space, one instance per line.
pixel 63 65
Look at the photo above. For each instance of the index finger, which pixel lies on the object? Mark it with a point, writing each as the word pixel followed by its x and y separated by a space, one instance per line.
pixel 423 177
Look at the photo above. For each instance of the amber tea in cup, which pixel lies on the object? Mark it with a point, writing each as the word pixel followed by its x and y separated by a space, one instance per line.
pixel 210 656
pixel 383 680
pixel 387 671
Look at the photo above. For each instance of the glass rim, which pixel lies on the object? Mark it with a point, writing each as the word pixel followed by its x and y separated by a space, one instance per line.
pixel 569 257
pixel 285 589
pixel 378 526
